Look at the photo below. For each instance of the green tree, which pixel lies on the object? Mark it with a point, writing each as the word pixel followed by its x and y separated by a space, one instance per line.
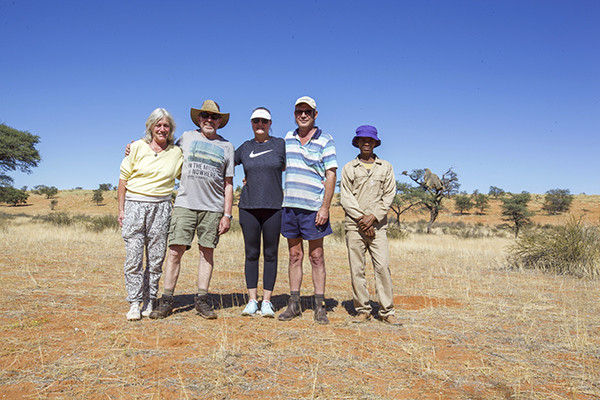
pixel 97 197
pixel 463 202
pixel 53 204
pixel 105 186
pixel 428 197
pixel 557 201
pixel 48 191
pixel 495 192
pixel 481 202
pixel 514 209
pixel 10 195
pixel 407 197
pixel 17 152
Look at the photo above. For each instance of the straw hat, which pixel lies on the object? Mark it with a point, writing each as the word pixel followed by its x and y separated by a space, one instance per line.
pixel 212 107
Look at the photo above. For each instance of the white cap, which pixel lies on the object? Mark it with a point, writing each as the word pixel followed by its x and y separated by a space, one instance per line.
pixel 307 100
pixel 261 113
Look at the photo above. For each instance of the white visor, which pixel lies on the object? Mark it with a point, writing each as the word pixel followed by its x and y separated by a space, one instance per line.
pixel 261 113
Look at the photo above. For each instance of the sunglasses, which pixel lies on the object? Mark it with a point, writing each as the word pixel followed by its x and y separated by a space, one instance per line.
pixel 263 120
pixel 300 112
pixel 207 115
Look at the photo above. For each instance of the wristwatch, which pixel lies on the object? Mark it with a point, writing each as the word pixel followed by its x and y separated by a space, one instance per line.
pixel 228 216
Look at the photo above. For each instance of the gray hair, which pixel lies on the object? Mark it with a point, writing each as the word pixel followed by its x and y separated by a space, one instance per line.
pixel 153 119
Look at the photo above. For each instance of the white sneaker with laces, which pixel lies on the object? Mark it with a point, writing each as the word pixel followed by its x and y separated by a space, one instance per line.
pixel 134 312
pixel 266 309
pixel 251 308
pixel 148 308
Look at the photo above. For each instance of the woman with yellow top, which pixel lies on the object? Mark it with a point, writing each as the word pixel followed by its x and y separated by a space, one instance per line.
pixel 145 187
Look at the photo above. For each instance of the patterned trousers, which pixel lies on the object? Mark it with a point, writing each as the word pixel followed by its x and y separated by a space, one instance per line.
pixel 145 228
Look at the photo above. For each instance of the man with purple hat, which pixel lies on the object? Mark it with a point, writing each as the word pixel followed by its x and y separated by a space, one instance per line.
pixel 367 190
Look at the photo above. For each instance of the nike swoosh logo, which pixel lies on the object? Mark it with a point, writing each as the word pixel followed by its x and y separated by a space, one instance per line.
pixel 252 154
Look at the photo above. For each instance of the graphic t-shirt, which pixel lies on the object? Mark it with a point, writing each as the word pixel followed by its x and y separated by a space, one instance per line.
pixel 206 164
pixel 263 163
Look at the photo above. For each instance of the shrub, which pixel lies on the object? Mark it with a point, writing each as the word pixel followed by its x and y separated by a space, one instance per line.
pixel 60 219
pixel 103 222
pixel 573 248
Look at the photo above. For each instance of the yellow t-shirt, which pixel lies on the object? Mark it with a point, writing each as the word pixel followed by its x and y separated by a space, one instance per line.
pixel 151 174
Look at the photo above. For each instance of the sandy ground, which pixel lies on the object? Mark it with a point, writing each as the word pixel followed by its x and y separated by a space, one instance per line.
pixel 472 328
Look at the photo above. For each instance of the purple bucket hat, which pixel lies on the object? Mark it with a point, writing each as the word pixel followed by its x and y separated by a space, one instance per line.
pixel 365 131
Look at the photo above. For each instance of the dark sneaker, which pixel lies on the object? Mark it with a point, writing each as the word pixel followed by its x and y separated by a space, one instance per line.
pixel 361 317
pixel 392 320
pixel 292 311
pixel 321 314
pixel 204 307
pixel 164 309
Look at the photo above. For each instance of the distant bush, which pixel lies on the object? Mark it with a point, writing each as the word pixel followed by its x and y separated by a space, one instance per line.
pixel 573 249
pixel 60 219
pixel 95 224
pixel 4 222
pixel 102 223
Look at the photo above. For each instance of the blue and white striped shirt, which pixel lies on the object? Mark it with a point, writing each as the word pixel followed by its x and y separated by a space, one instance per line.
pixel 305 169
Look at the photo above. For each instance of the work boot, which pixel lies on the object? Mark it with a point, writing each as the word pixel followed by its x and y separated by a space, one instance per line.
pixel 164 309
pixel 321 314
pixel 392 320
pixel 204 307
pixel 292 311
pixel 361 317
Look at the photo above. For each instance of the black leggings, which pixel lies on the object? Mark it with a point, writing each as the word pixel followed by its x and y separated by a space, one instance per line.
pixel 253 221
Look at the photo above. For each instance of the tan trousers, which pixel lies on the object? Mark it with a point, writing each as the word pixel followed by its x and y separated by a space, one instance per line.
pixel 358 245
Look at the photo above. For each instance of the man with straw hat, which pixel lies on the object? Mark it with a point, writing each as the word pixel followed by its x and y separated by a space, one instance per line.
pixel 203 204
pixel 367 190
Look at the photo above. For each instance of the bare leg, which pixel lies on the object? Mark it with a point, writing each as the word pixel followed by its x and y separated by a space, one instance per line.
pixel 172 266
pixel 205 267
pixel 295 264
pixel 317 261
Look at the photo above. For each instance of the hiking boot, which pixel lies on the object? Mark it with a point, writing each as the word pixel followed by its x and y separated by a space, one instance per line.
pixel 321 314
pixel 150 306
pixel 392 320
pixel 292 311
pixel 266 309
pixel 164 309
pixel 251 308
pixel 134 312
pixel 361 317
pixel 203 306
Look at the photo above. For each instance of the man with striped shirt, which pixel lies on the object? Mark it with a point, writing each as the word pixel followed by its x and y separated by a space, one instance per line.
pixel 309 185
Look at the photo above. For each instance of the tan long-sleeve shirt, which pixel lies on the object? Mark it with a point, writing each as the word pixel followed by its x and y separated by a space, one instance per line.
pixel 366 192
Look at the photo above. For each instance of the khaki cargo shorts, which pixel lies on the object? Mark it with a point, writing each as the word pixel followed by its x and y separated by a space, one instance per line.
pixel 185 223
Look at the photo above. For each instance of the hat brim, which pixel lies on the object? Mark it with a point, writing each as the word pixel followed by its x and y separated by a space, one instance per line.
pixel 194 113
pixel 355 141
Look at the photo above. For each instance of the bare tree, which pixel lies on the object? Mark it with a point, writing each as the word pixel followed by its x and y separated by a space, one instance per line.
pixel 430 197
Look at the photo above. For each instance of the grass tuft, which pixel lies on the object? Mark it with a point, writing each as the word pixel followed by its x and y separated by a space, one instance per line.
pixel 569 249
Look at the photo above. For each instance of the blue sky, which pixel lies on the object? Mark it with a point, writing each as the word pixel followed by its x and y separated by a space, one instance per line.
pixel 505 92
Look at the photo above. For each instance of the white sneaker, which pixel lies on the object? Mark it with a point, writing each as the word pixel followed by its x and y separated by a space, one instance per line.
pixel 251 308
pixel 266 309
pixel 148 308
pixel 134 312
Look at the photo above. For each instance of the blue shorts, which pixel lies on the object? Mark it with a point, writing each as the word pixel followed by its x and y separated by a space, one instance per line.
pixel 298 223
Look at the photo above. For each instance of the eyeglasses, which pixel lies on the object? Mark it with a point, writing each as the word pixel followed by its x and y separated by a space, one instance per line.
pixel 263 120
pixel 300 112
pixel 207 115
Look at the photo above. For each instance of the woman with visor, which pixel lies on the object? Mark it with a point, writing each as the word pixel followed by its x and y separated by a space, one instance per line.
pixel 263 160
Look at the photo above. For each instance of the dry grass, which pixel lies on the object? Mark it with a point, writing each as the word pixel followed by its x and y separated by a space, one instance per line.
pixel 472 328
